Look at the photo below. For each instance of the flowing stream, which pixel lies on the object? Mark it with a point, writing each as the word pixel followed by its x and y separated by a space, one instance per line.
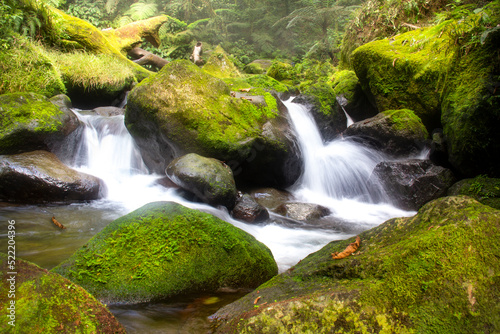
pixel 335 175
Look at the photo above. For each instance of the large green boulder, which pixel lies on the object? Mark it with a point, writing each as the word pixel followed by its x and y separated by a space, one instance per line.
pixel 163 250
pixel 219 65
pixel 209 179
pixel 436 272
pixel 29 121
pixel 183 109
pixel 428 71
pixel 36 301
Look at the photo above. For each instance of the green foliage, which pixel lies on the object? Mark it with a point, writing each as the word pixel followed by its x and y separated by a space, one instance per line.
pixel 89 11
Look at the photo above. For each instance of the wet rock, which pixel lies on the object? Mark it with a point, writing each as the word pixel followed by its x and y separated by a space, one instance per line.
pixel 248 210
pixel 165 250
pixel 395 132
pixel 209 179
pixel 412 183
pixel 45 302
pixel 30 122
pixel 420 256
pixel 39 176
pixel 482 188
pixel 302 211
pixel 271 198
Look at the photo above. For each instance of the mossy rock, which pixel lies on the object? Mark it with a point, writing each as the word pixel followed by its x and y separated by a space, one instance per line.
pixel 280 71
pixel 254 68
pixel 45 302
pixel 163 250
pixel 436 272
pixel 209 179
pixel 25 67
pixel 395 132
pixel 483 189
pixel 260 84
pixel 29 121
pixel 182 109
pixel 407 71
pixel 219 65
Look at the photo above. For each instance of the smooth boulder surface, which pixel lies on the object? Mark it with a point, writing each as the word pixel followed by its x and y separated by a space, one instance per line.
pixel 395 132
pixel 45 302
pixel 164 250
pixel 209 179
pixel 248 210
pixel 183 109
pixel 39 176
pixel 412 183
pixel 408 275
pixel 30 122
pixel 302 211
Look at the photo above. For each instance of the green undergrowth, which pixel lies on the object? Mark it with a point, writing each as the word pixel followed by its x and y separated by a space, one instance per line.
pixel 164 249
pixel 25 67
pixel 436 272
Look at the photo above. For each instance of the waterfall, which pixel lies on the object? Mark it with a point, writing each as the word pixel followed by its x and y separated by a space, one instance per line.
pixel 338 169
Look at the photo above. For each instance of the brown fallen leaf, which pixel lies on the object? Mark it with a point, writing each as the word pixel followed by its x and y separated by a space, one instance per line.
pixel 256 300
pixel 348 250
pixel 245 90
pixel 58 224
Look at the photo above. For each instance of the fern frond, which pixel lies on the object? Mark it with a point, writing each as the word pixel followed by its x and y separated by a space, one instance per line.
pixel 198 22
pixel 124 20
pixel 142 10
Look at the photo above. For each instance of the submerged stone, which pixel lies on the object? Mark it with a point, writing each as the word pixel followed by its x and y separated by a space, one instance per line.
pixel 45 302
pixel 163 250
pixel 409 275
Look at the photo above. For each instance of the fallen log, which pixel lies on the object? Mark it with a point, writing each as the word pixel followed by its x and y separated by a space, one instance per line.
pixel 143 57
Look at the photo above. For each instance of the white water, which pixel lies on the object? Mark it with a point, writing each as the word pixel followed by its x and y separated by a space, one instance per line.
pixel 335 176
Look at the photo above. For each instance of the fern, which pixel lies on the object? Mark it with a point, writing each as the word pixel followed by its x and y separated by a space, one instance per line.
pixel 198 22
pixel 142 10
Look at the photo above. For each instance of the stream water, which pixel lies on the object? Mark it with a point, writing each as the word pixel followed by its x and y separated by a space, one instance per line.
pixel 335 175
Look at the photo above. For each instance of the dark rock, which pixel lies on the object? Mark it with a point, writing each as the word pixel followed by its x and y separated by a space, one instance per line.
pixel 302 211
pixel 39 176
pixel 165 250
pixel 483 189
pixel 209 179
pixel 271 198
pixel 412 183
pixel 248 210
pixel 45 302
pixel 395 132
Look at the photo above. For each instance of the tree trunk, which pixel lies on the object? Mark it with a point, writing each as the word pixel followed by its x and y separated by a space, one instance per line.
pixel 143 57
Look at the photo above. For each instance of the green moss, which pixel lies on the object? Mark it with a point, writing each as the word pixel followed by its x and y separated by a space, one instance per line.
pixel 406 120
pixel 164 249
pixel 254 68
pixel 280 71
pixel 324 96
pixel 24 117
pixel 407 71
pixel 48 303
pixel 483 189
pixel 26 68
pixel 436 272
pixel 344 83
pixel 219 65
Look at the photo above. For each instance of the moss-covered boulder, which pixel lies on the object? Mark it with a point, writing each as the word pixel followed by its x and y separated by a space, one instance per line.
pixel 350 96
pixel 395 132
pixel 29 121
pixel 482 188
pixel 407 71
pixel 164 250
pixel 36 301
pixel 219 65
pixel 281 71
pixel 436 272
pixel 446 74
pixel 321 99
pixel 182 109
pixel 39 176
pixel 209 179
pixel 27 68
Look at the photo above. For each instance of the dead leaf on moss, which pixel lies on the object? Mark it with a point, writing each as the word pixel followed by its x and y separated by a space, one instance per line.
pixel 348 251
